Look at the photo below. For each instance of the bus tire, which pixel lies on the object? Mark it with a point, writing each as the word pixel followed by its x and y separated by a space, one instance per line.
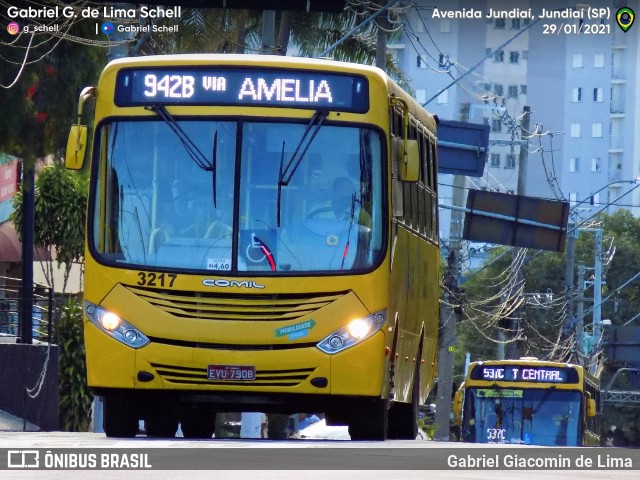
pixel 198 421
pixel 119 416
pixel 369 420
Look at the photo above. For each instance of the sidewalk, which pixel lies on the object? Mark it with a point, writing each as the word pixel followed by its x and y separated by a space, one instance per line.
pixel 10 423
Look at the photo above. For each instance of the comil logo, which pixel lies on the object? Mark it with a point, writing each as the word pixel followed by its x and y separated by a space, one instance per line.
pixel 13 28
pixel 23 459
pixel 221 282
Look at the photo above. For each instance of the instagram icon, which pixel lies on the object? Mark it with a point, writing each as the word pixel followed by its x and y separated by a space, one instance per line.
pixel 13 28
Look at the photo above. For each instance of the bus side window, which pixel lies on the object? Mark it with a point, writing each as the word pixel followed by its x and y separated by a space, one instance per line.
pixel 397 195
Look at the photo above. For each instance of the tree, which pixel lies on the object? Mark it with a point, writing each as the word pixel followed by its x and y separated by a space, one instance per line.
pixel 60 213
pixel 41 102
pixel 306 34
pixel 490 294
pixel 40 75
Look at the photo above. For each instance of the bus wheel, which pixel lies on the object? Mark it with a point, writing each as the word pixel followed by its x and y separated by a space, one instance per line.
pixel 403 420
pixel 119 416
pixel 369 420
pixel 198 421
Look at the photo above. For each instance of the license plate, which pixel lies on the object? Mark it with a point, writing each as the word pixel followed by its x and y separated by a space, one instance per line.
pixel 231 372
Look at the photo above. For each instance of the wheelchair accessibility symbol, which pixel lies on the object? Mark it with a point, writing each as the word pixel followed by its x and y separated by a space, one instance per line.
pixel 254 250
pixel 259 250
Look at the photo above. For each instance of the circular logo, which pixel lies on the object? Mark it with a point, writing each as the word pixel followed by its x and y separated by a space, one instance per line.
pixel 107 28
pixel 625 17
pixel 13 28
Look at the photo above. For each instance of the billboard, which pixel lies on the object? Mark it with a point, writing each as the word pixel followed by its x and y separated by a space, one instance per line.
pixel 516 220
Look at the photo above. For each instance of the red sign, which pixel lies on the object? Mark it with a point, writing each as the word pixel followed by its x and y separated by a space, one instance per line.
pixel 8 180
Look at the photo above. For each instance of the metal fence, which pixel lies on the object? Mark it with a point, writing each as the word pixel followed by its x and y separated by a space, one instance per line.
pixel 43 312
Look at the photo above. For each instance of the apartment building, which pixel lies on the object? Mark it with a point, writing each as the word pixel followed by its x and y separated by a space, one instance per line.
pixel 579 76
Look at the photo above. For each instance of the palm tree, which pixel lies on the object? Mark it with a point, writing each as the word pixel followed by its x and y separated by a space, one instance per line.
pixel 301 34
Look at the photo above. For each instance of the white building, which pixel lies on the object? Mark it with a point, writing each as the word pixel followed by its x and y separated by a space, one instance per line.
pixel 583 90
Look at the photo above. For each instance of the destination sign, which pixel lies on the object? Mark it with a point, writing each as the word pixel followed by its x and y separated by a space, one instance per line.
pixel 524 373
pixel 222 85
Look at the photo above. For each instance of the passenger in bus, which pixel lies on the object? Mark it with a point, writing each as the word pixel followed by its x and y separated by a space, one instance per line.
pixel 179 196
pixel 177 216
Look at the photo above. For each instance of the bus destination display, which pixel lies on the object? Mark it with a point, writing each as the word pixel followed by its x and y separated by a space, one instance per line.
pixel 524 373
pixel 243 87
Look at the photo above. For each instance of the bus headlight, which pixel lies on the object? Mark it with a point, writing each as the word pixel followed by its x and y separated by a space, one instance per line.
pixel 114 326
pixel 355 332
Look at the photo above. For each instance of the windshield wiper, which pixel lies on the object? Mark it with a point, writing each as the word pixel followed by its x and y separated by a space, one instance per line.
pixel 544 398
pixel 189 145
pixel 351 217
pixel 286 174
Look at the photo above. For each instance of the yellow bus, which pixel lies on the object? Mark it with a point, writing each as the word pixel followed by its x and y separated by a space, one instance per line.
pixel 262 236
pixel 528 401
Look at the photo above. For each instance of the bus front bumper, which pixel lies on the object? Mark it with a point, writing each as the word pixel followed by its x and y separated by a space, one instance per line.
pixel 356 371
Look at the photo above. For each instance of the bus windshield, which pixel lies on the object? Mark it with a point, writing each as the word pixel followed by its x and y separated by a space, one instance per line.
pixel 531 416
pixel 207 195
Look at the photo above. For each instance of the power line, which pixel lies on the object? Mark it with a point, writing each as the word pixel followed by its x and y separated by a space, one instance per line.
pixel 489 54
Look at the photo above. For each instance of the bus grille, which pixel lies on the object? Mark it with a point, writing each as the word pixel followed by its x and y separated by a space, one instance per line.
pixel 214 306
pixel 264 378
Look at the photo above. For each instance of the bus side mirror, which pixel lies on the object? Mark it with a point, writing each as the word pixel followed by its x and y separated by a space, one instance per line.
pixel 76 147
pixel 408 158
pixel 457 408
pixel 77 141
pixel 591 407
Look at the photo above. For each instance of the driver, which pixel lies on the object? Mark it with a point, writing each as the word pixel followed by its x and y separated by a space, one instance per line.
pixel 342 198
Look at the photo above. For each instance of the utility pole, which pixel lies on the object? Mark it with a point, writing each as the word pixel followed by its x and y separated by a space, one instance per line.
pixel 268 30
pixel 449 315
pixel 580 313
pixel 381 43
pixel 28 241
pixel 572 237
pixel 512 350
pixel 597 294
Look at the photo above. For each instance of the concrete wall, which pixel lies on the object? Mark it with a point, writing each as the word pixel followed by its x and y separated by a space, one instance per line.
pixel 21 367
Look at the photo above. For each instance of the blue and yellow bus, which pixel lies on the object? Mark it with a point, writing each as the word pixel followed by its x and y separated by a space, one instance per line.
pixel 528 401
pixel 262 235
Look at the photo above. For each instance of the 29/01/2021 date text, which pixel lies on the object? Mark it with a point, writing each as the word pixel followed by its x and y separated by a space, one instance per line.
pixel 576 29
